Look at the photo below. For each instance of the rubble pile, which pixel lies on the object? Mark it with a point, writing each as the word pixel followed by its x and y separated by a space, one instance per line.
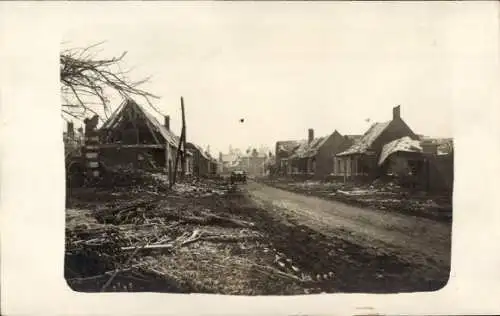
pixel 91 251
pixel 127 176
pixel 119 242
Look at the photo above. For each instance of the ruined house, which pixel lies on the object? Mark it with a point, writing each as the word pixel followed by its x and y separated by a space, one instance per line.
pixel 133 137
pixel 202 162
pixel 283 150
pixel 214 166
pixel 361 159
pixel 421 164
pixel 314 158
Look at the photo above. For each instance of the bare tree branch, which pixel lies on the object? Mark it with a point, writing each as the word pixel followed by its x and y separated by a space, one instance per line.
pixel 87 81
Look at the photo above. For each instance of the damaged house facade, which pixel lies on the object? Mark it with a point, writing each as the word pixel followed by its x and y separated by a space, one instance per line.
pixel 133 137
pixel 361 159
pixel 424 164
pixel 313 159
pixel 392 150
pixel 283 151
pixel 387 149
pixel 203 164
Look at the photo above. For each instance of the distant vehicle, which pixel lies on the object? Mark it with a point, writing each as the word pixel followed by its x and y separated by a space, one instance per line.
pixel 238 176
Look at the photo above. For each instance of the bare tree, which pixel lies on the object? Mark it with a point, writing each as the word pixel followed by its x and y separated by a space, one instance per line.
pixel 88 81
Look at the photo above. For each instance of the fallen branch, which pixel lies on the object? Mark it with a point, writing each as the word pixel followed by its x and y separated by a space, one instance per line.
pixel 195 236
pixel 213 220
pixel 231 238
pixel 192 239
pixel 149 247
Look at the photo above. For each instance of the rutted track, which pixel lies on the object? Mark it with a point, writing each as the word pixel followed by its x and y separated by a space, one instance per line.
pixel 401 247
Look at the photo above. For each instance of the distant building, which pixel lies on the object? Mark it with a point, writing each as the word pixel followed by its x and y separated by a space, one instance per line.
pixel 254 164
pixel 229 162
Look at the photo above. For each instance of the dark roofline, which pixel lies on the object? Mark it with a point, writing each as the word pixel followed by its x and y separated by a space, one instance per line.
pixel 172 139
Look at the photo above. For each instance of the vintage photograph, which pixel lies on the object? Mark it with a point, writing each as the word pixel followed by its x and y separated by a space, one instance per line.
pixel 245 156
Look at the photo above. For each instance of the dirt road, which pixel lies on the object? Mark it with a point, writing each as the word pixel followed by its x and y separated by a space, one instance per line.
pixel 421 245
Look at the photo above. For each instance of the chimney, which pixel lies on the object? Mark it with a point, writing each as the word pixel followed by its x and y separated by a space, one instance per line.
pixel 311 135
pixel 70 130
pixel 167 122
pixel 396 112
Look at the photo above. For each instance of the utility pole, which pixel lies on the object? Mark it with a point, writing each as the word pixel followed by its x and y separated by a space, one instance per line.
pixel 181 148
pixel 183 139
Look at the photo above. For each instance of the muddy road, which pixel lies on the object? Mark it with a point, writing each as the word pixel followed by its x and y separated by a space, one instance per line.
pixel 369 250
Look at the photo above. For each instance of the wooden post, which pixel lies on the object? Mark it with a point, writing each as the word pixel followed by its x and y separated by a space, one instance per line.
pixel 344 163
pixel 177 156
pixel 183 139
pixel 170 176
pixel 180 155
pixel 183 120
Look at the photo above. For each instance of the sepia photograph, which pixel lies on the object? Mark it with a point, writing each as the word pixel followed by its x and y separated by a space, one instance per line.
pixel 288 156
pixel 244 157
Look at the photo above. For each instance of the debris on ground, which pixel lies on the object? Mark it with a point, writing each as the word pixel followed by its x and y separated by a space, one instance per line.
pixel 379 194
pixel 143 236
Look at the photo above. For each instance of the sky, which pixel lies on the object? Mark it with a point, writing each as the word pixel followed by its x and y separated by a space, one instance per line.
pixel 283 68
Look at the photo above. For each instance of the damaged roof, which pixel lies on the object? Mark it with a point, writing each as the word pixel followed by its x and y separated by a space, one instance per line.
pixel 444 145
pixel 289 146
pixel 403 144
pixel 168 135
pixel 362 144
pixel 203 153
pixel 307 150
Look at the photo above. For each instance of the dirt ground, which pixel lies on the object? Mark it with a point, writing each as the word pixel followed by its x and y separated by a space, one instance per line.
pixel 388 197
pixel 393 252
pixel 211 237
